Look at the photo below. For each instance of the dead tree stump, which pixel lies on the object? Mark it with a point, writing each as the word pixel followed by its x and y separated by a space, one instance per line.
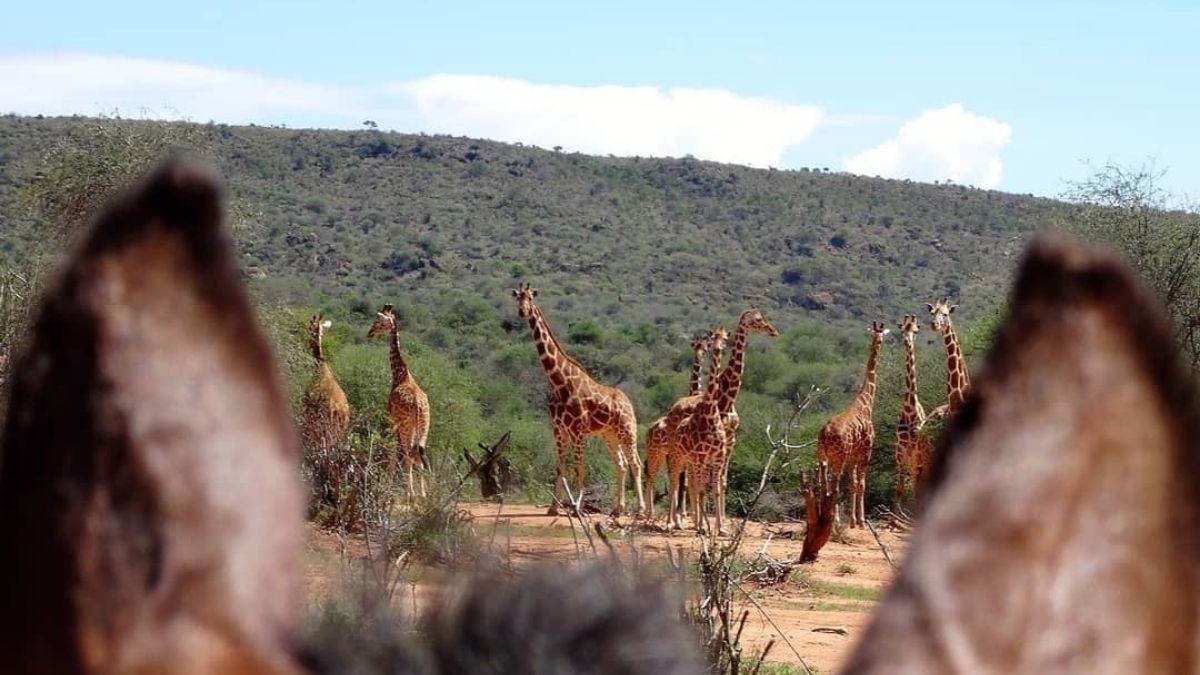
pixel 494 470
pixel 820 505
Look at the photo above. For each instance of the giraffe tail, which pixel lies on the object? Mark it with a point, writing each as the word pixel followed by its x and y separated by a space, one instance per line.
pixel 424 458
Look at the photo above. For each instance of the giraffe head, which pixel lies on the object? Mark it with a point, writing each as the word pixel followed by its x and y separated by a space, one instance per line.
pixel 525 295
pixel 385 321
pixel 754 320
pixel 718 338
pixel 878 332
pixel 909 327
pixel 700 345
pixel 940 312
pixel 317 326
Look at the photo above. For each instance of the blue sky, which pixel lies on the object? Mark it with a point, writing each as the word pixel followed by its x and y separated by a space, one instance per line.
pixel 1012 95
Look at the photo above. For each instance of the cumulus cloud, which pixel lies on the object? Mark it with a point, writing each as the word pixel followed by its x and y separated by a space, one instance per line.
pixel 708 123
pixel 65 84
pixel 948 142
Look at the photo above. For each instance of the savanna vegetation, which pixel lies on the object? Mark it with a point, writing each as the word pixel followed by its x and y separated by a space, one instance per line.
pixel 633 257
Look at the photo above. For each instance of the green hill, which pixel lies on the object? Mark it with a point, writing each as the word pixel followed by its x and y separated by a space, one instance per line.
pixel 632 257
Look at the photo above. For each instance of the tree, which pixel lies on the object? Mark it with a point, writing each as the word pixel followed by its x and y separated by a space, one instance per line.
pixel 1127 208
pixel 79 173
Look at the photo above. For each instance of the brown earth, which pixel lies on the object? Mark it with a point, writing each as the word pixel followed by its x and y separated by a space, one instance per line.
pixel 815 615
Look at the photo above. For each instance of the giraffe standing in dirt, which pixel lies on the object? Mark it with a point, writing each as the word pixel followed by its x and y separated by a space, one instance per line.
pixel 662 438
pixel 326 409
pixel 408 406
pixel 912 449
pixel 656 450
pixel 581 407
pixel 700 444
pixel 846 441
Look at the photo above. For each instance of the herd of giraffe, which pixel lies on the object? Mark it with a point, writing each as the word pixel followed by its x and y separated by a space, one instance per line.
pixel 695 439
pixel 151 511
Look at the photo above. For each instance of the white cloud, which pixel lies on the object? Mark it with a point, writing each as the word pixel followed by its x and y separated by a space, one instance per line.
pixel 948 142
pixel 65 84
pixel 708 123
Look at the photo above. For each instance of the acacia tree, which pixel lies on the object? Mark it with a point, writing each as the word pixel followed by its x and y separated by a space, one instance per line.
pixel 1127 208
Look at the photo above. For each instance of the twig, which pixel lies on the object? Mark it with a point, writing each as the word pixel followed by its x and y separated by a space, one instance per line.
pixel 771 621
pixel 886 555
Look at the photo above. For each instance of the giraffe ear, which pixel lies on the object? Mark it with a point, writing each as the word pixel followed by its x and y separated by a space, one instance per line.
pixel 326 324
pixel 1051 524
pixel 516 293
pixel 930 306
pixel 534 292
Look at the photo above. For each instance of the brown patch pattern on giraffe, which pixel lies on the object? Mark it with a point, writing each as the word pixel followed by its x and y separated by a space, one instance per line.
pixel 408 407
pixel 846 441
pixel 699 447
pixel 581 407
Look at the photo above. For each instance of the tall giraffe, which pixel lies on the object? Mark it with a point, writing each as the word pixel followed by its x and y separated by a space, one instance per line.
pixel 408 406
pixel 581 407
pixel 656 450
pixel 958 380
pixel 701 444
pixel 326 409
pixel 661 439
pixel 912 448
pixel 848 439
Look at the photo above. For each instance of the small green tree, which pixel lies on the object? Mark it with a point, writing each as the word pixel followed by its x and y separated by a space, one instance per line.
pixel 1127 208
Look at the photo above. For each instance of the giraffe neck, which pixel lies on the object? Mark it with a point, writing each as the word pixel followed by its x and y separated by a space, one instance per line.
pixel 866 394
pixel 399 365
pixel 912 405
pixel 555 362
pixel 694 388
pixel 710 404
pixel 315 347
pixel 957 379
pixel 731 376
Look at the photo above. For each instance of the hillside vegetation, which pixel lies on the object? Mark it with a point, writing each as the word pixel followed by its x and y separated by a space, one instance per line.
pixel 632 257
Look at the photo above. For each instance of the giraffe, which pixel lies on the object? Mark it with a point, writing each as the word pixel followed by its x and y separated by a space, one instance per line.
pixel 699 446
pixel 408 406
pixel 958 380
pixel 662 439
pixel 581 407
pixel 846 441
pixel 656 449
pixel 912 448
pixel 326 409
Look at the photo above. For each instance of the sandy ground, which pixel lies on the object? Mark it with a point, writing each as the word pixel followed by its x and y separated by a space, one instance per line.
pixel 816 615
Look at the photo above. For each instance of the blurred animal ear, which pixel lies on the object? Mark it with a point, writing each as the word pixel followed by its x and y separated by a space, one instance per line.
pixel 1056 536
pixel 326 323
pixel 952 308
pixel 516 293
pixel 134 539
pixel 534 292
pixel 930 306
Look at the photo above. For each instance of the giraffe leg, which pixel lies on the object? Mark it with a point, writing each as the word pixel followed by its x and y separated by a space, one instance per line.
pixel 424 469
pixel 674 508
pixel 696 497
pixel 653 464
pixel 578 445
pixel 619 459
pixel 561 441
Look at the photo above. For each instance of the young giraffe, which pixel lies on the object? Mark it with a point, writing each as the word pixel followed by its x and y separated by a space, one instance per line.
pixel 656 448
pixel 912 449
pixel 408 406
pixel 846 441
pixel 958 380
pixel 580 407
pixel 663 440
pixel 326 409
pixel 699 446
